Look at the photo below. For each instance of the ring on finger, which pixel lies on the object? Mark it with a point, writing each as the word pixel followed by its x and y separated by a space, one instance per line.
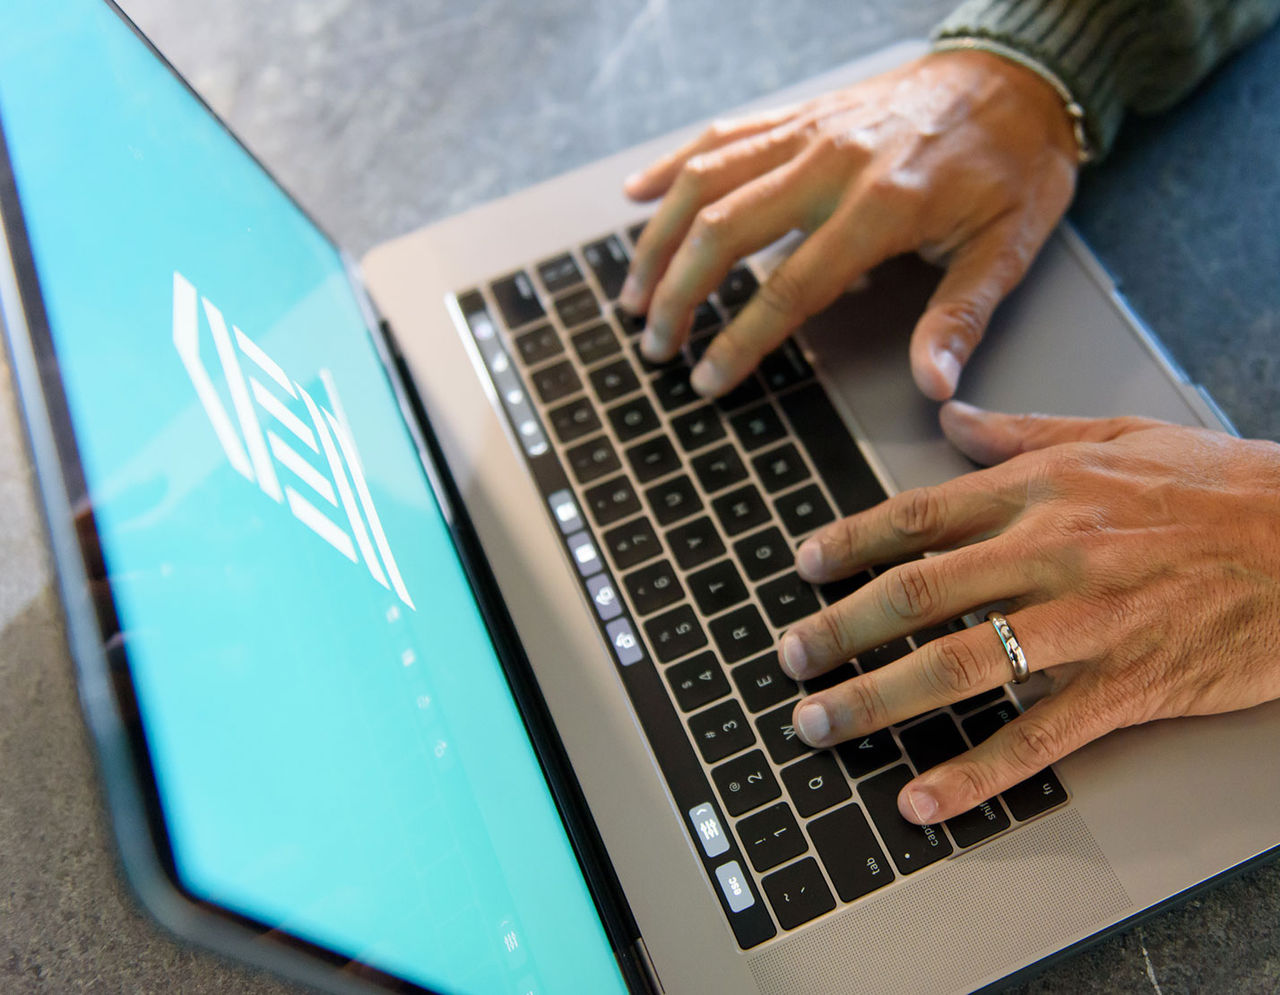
pixel 1012 648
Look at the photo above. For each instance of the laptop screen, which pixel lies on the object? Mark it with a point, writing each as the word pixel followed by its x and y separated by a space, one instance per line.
pixel 336 751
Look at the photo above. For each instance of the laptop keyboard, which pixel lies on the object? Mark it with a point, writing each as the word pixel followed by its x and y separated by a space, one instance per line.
pixel 682 517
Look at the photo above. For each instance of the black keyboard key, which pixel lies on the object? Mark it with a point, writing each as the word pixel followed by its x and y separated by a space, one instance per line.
pixel 835 455
pixel 779 735
pixel 785 367
pixel 698 346
pixel 837 675
pixel 719 468
pixel 758 426
pixel 746 782
pixel 608 261
pixel 632 543
pixel 675 634
pixel 850 853
pixel 771 837
pixel 632 419
pixel 747 392
pixel 804 510
pixel 780 468
pixel 577 306
pixel 838 590
pixel 574 420
pixel 595 343
pixel 614 381
pixel 762 683
pixel 653 587
pixel 737 287
pixel 787 599
pixel 697 681
pixel 646 364
pixel 694 543
pixel 928 634
pixel 559 273
pixel 968 705
pixel 538 344
pixel 982 821
pixel 631 324
pixel 764 553
pixel 612 500
pixel 815 784
pixel 673 389
pixel 798 893
pixel 1028 798
pixel 874 659
pixel 635 231
pixel 673 500
pixel 517 300
pixel 556 381
pixel 720 731
pixel 931 742
pixel 699 427
pixel 592 460
pixel 653 459
pixel 705 316
pixel 717 587
pixel 741 509
pixel 911 847
pixel 741 633
pixel 862 756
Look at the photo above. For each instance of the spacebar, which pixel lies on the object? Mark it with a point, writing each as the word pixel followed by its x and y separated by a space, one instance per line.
pixel 839 461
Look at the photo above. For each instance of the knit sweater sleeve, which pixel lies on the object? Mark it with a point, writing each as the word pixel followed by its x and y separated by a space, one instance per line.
pixel 1116 55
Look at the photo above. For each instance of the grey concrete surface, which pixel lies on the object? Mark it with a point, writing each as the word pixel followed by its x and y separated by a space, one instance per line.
pixel 382 116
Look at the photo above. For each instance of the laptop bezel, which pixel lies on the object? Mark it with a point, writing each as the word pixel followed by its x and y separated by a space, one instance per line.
pixel 107 695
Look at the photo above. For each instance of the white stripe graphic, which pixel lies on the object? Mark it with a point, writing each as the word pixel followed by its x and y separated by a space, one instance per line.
pixel 266 473
pixel 264 362
pixel 186 339
pixel 276 409
pixel 304 471
pixel 344 489
pixel 316 520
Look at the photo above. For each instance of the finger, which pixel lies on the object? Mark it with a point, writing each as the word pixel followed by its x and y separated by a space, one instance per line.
pixel 979 276
pixel 860 234
pixel 747 219
pixel 700 180
pixel 990 437
pixel 923 519
pixel 1055 726
pixel 906 599
pixel 655 179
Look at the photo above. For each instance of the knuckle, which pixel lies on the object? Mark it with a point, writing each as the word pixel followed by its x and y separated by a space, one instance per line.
pixel 967 318
pixel 710 226
pixel 918 513
pixel 718 131
pixel 1033 744
pixel 911 590
pixel 974 782
pixel 952 668
pixel 696 173
pixel 781 294
pixel 865 707
pixel 833 633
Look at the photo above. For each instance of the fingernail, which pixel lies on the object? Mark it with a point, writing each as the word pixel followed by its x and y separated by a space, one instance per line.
pixel 633 179
pixel 809 558
pixel 922 804
pixel 948 365
pixel 707 379
pixel 812 723
pixel 792 656
pixel 630 292
pixel 651 345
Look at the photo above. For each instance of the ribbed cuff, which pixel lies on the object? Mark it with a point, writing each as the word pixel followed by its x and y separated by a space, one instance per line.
pixel 1068 38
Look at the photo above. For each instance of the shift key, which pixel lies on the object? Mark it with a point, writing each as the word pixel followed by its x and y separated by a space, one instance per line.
pixel 911 847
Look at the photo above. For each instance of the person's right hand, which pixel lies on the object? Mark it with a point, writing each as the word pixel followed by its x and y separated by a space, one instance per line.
pixel 964 156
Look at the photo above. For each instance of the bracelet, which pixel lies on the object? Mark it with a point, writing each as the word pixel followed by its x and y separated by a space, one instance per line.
pixel 1085 151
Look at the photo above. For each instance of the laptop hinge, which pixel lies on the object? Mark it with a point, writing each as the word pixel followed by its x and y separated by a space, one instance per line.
pixel 646 966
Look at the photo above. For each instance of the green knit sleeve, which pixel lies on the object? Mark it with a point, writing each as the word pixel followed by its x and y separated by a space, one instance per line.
pixel 1116 55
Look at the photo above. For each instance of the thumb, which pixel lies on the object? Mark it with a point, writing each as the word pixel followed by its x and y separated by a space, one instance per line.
pixel 988 437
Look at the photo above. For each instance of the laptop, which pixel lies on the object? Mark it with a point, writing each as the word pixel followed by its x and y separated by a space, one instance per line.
pixel 425 632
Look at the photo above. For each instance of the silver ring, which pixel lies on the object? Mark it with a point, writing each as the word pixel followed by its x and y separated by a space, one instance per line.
pixel 1012 648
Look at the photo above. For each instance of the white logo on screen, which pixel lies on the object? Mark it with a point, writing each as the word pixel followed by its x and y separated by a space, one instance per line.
pixel 323 480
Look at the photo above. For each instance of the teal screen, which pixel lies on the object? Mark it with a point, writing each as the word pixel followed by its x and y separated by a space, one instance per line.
pixel 335 747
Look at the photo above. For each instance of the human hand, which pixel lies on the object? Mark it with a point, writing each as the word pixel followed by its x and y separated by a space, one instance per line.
pixel 963 156
pixel 1140 562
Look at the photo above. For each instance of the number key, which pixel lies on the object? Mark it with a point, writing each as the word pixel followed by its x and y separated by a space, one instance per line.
pixel 721 730
pixel 746 782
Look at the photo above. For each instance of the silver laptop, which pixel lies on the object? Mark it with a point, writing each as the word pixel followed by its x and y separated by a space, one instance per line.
pixel 430 647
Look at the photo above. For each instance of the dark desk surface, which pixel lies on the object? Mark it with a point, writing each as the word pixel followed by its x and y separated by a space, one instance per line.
pixel 382 116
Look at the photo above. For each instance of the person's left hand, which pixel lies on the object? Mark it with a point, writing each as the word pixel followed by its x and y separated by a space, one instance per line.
pixel 1140 563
